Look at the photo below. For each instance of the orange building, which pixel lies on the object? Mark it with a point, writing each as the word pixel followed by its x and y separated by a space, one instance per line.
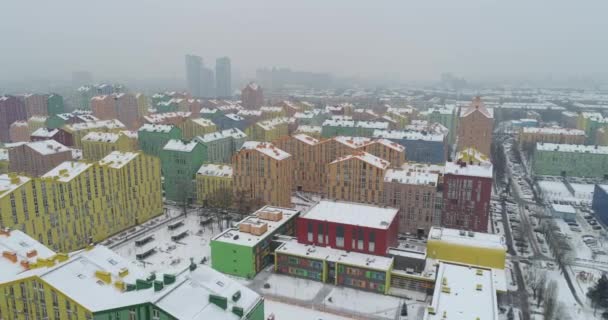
pixel 358 177
pixel 475 127
pixel 529 136
pixel 262 174
pixel 308 170
pixel 19 131
pixel 387 150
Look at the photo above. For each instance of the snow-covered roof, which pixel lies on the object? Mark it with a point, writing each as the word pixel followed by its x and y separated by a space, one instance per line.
pixel 467 238
pixel 381 125
pixel 37 118
pixel 25 248
pixel 411 174
pixel 10 182
pixel 338 123
pixel 353 142
pixel 156 128
pixel 44 132
pixel 266 148
pixel 477 105
pixel 67 171
pixel 20 123
pixel 216 170
pixel 272 123
pixel 351 213
pixel 203 122
pixel 408 135
pixel 109 124
pixel 234 117
pixel 129 133
pixel 179 145
pixel 463 293
pixel 107 137
pixel 572 148
pixel 76 154
pixel 256 113
pixel 563 208
pixel 554 130
pixel 367 157
pixel 47 147
pixel 388 143
pixel 309 129
pixel 483 170
pixel 117 159
pixel 235 236
pixel 253 86
pixel 306 139
pixel 356 259
pixel 271 109
pixel 162 117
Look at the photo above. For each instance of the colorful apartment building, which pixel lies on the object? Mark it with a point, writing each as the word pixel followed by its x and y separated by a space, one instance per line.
pixel 530 136
pixel 19 131
pixel 247 249
pixel 475 127
pixel 36 122
pixel 313 131
pixel 127 110
pixel 104 107
pixel 222 145
pixel 62 119
pixel 388 150
pixel 58 135
pixel 54 104
pixel 343 127
pixel 180 161
pixel 252 96
pixel 414 190
pixel 601 137
pixel 570 160
pixel 590 122
pixel 467 189
pixel 269 130
pixel 358 177
pixel 420 146
pixel 258 168
pixel 214 185
pixel 37 158
pixel 231 120
pixel 446 116
pixel 349 226
pixel 153 137
pixel 11 109
pixel 85 94
pixel 97 283
pixel 97 145
pixel 77 203
pixel 79 130
pixel 35 104
pixel 197 127
pixel 308 169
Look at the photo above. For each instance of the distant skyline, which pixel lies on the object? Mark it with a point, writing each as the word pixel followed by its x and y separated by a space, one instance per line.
pixel 475 39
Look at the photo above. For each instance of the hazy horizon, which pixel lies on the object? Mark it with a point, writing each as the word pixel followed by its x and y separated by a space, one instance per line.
pixel 416 41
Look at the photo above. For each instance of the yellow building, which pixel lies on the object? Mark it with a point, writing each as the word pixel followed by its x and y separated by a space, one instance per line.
pixel 358 177
pixel 36 122
pixel 79 130
pixel 269 130
pixel 214 185
pixel 197 127
pixel 97 145
pixel 467 247
pixel 77 203
pixel 142 105
pixel 269 112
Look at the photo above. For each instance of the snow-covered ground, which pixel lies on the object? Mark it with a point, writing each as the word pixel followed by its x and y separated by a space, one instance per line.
pixel 292 287
pixel 283 311
pixel 364 303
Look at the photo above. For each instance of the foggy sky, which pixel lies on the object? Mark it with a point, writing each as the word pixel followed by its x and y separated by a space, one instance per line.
pixel 415 39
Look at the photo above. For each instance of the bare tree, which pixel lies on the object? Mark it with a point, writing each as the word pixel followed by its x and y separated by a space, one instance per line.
pixel 536 281
pixel 550 301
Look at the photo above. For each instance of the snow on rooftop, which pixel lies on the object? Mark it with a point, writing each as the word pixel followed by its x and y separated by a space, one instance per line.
pixel 467 238
pixel 109 124
pixel 216 170
pixel 572 148
pixel 20 123
pixel 47 147
pixel 469 167
pixel 367 261
pixel 395 146
pixel 309 129
pixel 417 175
pixel 381 125
pixel 352 213
pixel 44 132
pixel 156 128
pixel 306 139
pixel 553 130
pixel 563 208
pixel 159 118
pixel 179 145
pixel 203 122
pixel 37 118
pixel 8 183
pixel 266 148
pixel 234 117
pixel 463 293
pixel 272 123
pixel 408 135
pixel 353 142
pixel 24 247
pixel 67 171
pixel 235 236
pixel 117 159
pixel 101 137
pixel 367 157
pixel 338 123
pixel 76 154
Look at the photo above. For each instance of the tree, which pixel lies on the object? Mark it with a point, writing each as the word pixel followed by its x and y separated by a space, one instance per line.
pixel 598 294
pixel 221 198
pixel 550 301
pixel 536 281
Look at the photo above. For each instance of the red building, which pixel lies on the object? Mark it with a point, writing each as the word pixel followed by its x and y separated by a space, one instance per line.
pixel 11 109
pixel 58 134
pixel 252 96
pixel 349 226
pixel 467 188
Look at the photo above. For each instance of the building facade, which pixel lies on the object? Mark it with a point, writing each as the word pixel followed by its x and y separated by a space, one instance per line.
pixel 570 160
pixel 58 135
pixel 422 147
pixel 19 131
pixel 180 161
pixel 358 177
pixel 97 145
pixel 194 64
pixel 222 145
pixel 252 96
pixel 475 127
pixel 530 136
pixel 152 137
pixel 11 109
pixel 37 158
pixel 214 185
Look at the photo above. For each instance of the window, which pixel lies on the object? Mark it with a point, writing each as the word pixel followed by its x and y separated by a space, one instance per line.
pixel 132 315
pixel 372 242
pixel 320 233
pixel 310 232
pixel 360 239
pixel 340 236
pixel 155 314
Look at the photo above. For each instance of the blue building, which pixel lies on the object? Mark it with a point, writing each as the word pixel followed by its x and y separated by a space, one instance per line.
pixel 419 146
pixel 231 120
pixel 600 202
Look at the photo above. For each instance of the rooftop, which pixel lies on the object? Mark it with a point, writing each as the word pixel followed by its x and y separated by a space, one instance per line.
pixel 410 174
pixel 351 213
pixel 367 157
pixel 309 129
pixel 477 105
pixel 10 182
pixel 463 293
pixel 563 208
pixel 44 132
pixel 292 247
pixel 67 171
pixel 467 238
pixel 47 147
pixel 235 236
pixel 461 168
pixel 572 148
pixel 306 139
pixel 216 170
pixel 109 124
pixel 408 135
pixel 101 137
pixel 156 128
pixel 554 130
pixel 179 145
pixel 266 148
pixel 25 249
pixel 117 159
pixel 203 122
pixel 353 142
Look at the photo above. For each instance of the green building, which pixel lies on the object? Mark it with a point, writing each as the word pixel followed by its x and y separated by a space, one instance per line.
pixel 84 96
pixel 570 160
pixel 180 161
pixel 221 145
pixel 247 249
pixel 446 115
pixel 54 104
pixel 152 137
